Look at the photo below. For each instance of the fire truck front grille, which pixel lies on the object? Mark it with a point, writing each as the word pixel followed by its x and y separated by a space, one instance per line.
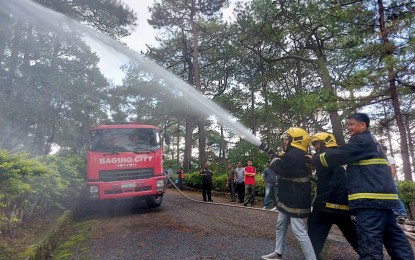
pixel 122 175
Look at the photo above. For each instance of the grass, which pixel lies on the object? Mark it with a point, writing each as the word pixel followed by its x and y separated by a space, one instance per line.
pixel 74 243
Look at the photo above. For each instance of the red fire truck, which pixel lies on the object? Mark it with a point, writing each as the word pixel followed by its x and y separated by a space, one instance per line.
pixel 125 161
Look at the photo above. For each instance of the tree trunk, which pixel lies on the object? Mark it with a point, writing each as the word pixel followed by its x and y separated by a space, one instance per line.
pixel 411 144
pixel 332 108
pixel 14 57
pixel 267 111
pixel 178 144
pixel 196 74
pixel 188 140
pixel 222 153
pixel 253 117
pixel 394 94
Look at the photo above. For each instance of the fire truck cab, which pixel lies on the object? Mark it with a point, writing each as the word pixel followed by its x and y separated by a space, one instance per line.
pixel 125 161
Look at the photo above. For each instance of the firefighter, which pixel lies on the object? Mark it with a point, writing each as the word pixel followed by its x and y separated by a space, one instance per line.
pixel 372 195
pixel 294 192
pixel 330 205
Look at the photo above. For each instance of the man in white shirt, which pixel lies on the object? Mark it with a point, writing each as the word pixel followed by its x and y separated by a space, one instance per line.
pixel 401 211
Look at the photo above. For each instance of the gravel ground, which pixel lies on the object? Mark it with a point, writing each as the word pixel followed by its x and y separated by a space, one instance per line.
pixel 184 229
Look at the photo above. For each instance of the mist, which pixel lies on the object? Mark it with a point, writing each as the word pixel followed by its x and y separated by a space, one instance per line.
pixel 35 14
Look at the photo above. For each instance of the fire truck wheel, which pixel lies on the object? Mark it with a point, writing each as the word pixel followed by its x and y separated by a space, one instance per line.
pixel 154 201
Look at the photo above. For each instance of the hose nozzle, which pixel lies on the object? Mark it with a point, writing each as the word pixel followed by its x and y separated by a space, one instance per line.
pixel 269 151
pixel 264 147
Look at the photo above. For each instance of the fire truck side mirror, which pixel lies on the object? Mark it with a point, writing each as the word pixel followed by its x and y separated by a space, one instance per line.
pixel 167 139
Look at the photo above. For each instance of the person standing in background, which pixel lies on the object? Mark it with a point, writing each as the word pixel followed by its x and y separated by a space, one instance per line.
pixel 206 183
pixel 400 212
pixel 249 173
pixel 180 178
pixel 240 182
pixel 230 181
pixel 270 180
pixel 169 173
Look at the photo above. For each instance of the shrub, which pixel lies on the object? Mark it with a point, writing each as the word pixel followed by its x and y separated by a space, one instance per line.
pixel 32 186
pixel 194 180
pixel 406 192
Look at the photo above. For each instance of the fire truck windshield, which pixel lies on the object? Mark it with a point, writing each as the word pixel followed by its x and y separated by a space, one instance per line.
pixel 124 140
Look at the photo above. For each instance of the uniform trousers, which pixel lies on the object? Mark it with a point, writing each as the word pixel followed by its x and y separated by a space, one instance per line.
pixel 319 224
pixel 378 227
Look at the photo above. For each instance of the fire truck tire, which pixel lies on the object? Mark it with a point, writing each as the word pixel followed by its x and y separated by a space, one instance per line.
pixel 154 201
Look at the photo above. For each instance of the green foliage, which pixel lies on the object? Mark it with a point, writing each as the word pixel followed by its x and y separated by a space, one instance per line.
pixel 113 18
pixel 30 187
pixel 242 152
pixel 219 182
pixel 70 172
pixel 407 192
pixel 194 180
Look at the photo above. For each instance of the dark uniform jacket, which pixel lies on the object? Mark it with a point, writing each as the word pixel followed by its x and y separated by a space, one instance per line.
pixel 294 186
pixel 369 178
pixel 269 176
pixel 331 194
pixel 208 177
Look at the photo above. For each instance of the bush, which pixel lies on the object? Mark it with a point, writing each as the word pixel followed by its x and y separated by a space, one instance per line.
pixel 194 180
pixel 406 192
pixel 32 186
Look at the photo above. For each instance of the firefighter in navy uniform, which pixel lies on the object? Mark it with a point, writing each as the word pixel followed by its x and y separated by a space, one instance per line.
pixel 330 205
pixel 372 195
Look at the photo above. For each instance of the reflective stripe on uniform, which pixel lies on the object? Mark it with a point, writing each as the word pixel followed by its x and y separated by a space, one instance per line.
pixel 376 196
pixel 293 210
pixel 371 161
pixel 336 206
pixel 302 179
pixel 323 160
pixel 274 160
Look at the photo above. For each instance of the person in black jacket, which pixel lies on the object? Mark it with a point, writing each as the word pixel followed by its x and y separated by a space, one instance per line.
pixel 294 192
pixel 372 195
pixel 330 205
pixel 206 183
pixel 270 180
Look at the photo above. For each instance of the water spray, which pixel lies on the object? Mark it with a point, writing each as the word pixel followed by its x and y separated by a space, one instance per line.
pixel 33 13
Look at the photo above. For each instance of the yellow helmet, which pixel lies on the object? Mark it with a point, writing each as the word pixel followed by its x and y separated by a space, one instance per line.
pixel 300 138
pixel 327 138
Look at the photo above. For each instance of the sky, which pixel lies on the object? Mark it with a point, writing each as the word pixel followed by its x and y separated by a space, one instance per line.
pixel 110 62
pixel 144 33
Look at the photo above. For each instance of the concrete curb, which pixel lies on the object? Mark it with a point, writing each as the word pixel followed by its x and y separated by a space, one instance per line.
pixel 47 244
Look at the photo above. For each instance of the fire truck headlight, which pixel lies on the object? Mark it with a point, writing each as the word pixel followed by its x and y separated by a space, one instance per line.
pixel 160 185
pixel 93 191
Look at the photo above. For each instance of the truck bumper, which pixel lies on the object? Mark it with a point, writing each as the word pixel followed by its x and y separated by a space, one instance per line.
pixel 126 189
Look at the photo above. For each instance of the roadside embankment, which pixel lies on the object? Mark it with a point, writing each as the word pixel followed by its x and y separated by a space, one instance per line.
pixel 41 248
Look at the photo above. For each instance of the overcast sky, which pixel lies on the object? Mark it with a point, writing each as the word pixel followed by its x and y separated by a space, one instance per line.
pixel 143 34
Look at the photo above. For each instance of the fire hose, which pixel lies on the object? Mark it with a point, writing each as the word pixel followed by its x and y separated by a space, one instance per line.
pixel 213 203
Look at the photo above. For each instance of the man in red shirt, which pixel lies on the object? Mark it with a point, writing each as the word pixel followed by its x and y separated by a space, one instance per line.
pixel 249 173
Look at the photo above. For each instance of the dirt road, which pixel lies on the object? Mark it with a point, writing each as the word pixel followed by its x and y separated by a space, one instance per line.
pixel 182 229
